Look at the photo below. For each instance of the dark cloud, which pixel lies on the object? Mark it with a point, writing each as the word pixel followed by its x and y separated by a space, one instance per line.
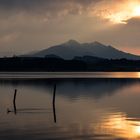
pixel 22 3
pixel 48 8
pixel 45 4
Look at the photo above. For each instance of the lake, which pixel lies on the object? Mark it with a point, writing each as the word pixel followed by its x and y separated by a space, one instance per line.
pixel 87 106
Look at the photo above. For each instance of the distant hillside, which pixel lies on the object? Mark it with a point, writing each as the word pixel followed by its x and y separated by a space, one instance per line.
pixel 72 49
pixel 56 64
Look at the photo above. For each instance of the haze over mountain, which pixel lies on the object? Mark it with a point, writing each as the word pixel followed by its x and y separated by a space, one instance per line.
pixel 72 48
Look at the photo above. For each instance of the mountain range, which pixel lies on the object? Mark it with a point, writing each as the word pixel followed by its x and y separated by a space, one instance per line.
pixel 72 49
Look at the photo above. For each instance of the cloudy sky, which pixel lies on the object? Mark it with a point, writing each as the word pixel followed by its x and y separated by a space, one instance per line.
pixel 30 25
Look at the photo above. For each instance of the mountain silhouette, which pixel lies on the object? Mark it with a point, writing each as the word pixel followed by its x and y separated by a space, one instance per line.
pixel 72 49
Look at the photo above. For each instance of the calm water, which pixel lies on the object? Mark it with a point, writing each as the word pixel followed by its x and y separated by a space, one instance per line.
pixel 85 109
pixel 51 75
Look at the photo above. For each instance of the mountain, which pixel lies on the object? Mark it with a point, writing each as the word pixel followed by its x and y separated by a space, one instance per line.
pixel 72 49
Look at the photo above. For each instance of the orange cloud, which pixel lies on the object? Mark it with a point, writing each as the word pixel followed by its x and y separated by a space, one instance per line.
pixel 117 11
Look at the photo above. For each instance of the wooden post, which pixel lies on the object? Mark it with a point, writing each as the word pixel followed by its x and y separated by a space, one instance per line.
pixel 14 101
pixel 54 112
pixel 14 104
pixel 54 94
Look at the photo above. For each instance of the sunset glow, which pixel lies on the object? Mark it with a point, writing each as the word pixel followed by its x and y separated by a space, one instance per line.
pixel 121 126
pixel 119 13
pixel 137 11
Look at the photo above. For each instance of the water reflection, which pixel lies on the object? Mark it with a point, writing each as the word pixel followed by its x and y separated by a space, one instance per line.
pixel 32 110
pixel 74 88
pixel 86 109
pixel 53 102
pixel 119 125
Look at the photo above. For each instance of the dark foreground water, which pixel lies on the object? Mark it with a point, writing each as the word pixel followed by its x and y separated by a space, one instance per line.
pixel 84 109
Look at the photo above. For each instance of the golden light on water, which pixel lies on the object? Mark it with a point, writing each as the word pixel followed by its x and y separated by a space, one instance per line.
pixel 120 126
pixel 124 74
pixel 138 74
pixel 137 129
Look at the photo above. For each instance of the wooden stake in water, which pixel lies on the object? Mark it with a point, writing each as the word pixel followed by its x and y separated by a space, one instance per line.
pixel 14 101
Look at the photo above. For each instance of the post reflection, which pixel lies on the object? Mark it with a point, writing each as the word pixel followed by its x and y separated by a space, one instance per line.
pixel 54 111
pixel 35 109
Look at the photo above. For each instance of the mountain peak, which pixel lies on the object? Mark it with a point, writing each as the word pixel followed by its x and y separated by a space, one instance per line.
pixel 96 43
pixel 72 43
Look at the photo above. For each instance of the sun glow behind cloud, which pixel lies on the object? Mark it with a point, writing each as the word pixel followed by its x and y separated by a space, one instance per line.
pixel 117 12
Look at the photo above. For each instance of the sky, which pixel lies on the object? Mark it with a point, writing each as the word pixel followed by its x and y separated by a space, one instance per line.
pixel 31 25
